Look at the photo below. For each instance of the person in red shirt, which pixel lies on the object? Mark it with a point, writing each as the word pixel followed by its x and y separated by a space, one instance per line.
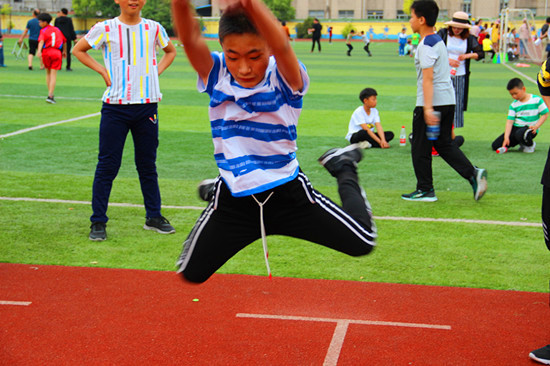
pixel 52 47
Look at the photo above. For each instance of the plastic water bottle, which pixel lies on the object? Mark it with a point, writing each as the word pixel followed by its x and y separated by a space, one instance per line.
pixel 502 150
pixel 403 137
pixel 432 131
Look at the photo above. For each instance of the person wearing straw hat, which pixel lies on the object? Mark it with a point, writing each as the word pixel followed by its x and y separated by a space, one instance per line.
pixel 462 47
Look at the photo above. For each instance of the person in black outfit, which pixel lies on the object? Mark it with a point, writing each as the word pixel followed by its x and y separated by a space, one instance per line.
pixel 316 34
pixel 65 25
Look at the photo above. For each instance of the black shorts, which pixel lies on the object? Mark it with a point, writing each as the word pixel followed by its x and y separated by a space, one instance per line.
pixel 33 45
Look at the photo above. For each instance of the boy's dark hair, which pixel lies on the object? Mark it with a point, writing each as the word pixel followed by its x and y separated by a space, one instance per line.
pixel 367 93
pixel 45 17
pixel 515 83
pixel 548 20
pixel 64 11
pixel 235 22
pixel 427 9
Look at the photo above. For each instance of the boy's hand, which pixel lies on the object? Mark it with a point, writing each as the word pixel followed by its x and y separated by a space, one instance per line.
pixel 384 144
pixel 234 4
pixel 429 117
pixel 506 142
pixel 534 128
pixel 106 77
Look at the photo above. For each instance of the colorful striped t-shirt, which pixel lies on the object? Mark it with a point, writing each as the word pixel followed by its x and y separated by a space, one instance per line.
pixel 129 54
pixel 527 113
pixel 253 129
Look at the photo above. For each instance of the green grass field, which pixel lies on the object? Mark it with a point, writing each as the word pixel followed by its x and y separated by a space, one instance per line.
pixel 58 163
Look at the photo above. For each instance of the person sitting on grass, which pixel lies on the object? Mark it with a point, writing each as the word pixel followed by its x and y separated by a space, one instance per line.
pixel 52 47
pixel 365 125
pixel 525 116
pixel 256 86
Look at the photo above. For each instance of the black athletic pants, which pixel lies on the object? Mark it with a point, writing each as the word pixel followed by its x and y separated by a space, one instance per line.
pixel 516 138
pixel 363 135
pixel 296 209
pixel 421 148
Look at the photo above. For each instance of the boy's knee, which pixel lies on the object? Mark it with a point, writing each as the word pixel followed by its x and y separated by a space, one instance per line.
pixel 192 279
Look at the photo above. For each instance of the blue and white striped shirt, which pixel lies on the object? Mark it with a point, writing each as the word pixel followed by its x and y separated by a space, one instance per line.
pixel 253 129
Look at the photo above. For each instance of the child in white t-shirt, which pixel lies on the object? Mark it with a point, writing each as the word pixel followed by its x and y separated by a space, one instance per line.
pixel 365 125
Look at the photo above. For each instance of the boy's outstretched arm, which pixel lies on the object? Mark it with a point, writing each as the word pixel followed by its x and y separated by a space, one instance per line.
pixel 269 28
pixel 80 51
pixel 189 33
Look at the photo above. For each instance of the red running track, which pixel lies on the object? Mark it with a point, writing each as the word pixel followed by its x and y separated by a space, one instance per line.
pixel 51 315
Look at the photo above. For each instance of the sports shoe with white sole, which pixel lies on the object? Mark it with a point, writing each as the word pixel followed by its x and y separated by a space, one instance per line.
pixel 529 149
pixel 97 231
pixel 479 183
pixel 206 189
pixel 159 224
pixel 541 355
pixel 334 159
pixel 422 196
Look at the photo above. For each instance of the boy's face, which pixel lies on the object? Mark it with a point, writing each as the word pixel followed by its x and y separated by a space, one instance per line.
pixel 42 23
pixel 130 7
pixel 370 102
pixel 246 57
pixel 415 22
pixel 518 93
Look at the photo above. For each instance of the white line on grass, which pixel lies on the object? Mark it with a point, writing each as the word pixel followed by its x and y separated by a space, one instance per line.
pixel 25 130
pixel 521 74
pixel 389 218
pixel 19 303
pixel 333 353
pixel 41 97
pixel 48 200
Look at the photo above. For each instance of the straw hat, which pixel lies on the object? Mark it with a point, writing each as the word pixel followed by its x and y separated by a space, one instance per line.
pixel 460 20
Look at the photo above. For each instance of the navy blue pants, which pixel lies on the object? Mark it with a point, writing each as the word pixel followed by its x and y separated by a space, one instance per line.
pixel 116 121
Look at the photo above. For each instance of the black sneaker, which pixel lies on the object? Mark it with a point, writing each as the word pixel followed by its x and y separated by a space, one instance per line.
pixel 97 232
pixel 479 183
pixel 418 195
pixel 206 189
pixel 541 355
pixel 334 159
pixel 159 224
pixel 50 100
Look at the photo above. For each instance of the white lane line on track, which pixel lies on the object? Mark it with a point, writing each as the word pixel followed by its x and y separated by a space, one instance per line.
pixel 389 218
pixel 333 353
pixel 25 130
pixel 17 303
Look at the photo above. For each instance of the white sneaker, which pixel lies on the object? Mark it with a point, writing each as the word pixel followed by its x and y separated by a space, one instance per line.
pixel 529 149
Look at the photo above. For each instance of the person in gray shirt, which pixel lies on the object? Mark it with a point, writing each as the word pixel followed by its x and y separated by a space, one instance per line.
pixel 434 112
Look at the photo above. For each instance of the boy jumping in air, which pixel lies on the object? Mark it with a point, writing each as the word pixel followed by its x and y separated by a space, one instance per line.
pixel 255 101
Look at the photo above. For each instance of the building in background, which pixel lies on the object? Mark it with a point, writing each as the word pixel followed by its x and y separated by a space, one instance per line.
pixel 336 9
